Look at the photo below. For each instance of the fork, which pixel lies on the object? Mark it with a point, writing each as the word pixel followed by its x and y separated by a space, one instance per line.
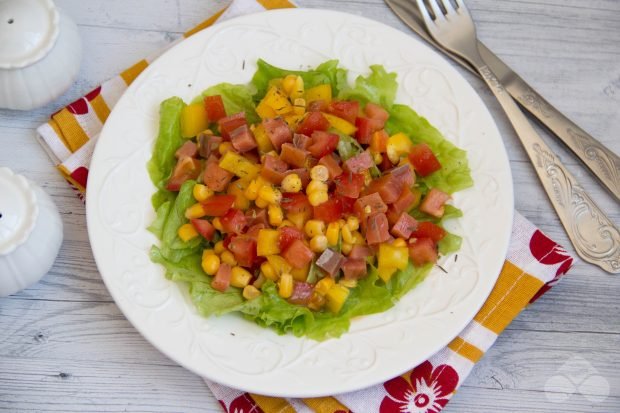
pixel 592 233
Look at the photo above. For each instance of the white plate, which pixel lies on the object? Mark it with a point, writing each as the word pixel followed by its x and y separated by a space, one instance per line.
pixel 236 352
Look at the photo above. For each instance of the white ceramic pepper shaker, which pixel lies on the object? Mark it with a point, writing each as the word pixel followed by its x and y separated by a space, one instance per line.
pixel 40 53
pixel 30 232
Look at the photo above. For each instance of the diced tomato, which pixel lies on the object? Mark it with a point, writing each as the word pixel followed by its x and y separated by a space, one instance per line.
pixel 328 211
pixel 359 163
pixel 349 184
pixel 293 156
pixel 295 202
pixel 302 293
pixel 252 156
pixel 228 239
pixel 314 121
pixel 404 226
pixel 301 141
pixel 298 254
pixel 244 250
pixel 404 174
pixel 242 139
pixel 378 141
pixel 385 164
pixel 375 111
pixel 360 251
pixel 288 235
pixel 332 164
pixel 405 201
pixel 429 230
pixel 354 268
pixel 433 203
pixel 365 128
pixel 424 160
pixel 377 229
pixel 317 106
pixel 302 173
pixel 347 204
pixel 234 221
pixel 388 188
pixel 392 215
pixel 345 109
pixel 422 251
pixel 374 203
pixel 273 169
pixel 185 169
pixel 323 143
pixel 256 216
pixel 277 131
pixel 218 205
pixel 230 123
pixel 214 106
pixel 221 281
pixel 215 177
pixel 252 231
pixel 189 149
pixel 204 228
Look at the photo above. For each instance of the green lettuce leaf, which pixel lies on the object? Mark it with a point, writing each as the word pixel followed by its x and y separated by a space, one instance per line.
pixel 378 87
pixel 172 247
pixel 236 98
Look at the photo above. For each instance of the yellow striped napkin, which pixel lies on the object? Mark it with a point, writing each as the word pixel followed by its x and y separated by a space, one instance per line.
pixel 533 264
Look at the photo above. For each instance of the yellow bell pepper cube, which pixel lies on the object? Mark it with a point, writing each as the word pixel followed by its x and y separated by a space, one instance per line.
pixel 237 188
pixel 385 273
pixel 398 145
pixel 393 257
pixel 278 101
pixel 193 120
pixel 262 140
pixel 267 242
pixel 336 297
pixel 279 264
pixel 300 274
pixel 320 92
pixel 294 120
pixel 340 124
pixel 239 165
pixel 265 111
pixel 323 286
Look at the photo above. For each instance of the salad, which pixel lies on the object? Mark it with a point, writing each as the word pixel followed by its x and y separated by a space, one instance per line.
pixel 299 200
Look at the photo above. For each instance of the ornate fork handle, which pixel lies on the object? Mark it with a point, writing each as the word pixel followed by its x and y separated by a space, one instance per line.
pixel 593 235
pixel 603 163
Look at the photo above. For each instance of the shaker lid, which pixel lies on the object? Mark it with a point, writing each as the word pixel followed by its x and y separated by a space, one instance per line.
pixel 18 210
pixel 28 31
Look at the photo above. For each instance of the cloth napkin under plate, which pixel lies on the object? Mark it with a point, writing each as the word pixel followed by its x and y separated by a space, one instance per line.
pixel 534 263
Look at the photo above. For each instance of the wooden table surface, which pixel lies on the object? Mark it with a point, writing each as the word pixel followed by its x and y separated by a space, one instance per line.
pixel 65 346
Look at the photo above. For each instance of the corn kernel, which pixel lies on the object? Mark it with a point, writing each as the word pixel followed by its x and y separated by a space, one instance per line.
pixel 225 147
pixel 319 173
pixel 250 292
pixel 346 248
pixel 187 232
pixel 217 224
pixel 318 243
pixel 261 203
pixel 285 286
pixel 399 242
pixel 251 192
pixel 298 219
pixel 316 186
pixel 323 286
pixel 240 277
pixel 358 238
pixel 219 247
pixel 341 223
pixel 270 194
pixel 288 83
pixel 227 257
pixel 317 198
pixel 377 158
pixel 332 233
pixel 299 106
pixel 291 183
pixel 348 283
pixel 353 223
pixel 314 227
pixel 347 237
pixel 210 264
pixel 280 265
pixel 201 192
pixel 207 252
pixel 268 271
pixel 275 215
pixel 195 211
pixel 260 280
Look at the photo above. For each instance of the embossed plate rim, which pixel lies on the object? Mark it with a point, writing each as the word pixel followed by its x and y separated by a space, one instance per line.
pixel 172 324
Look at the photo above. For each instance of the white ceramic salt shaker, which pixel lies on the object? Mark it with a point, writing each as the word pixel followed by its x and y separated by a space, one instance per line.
pixel 40 53
pixel 30 232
